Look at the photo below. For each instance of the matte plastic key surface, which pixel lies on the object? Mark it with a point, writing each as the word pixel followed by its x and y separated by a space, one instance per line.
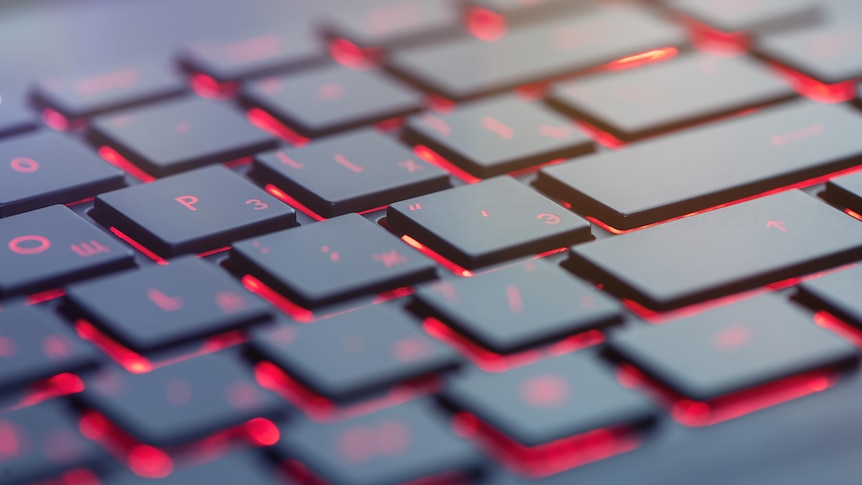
pixel 715 164
pixel 392 23
pixel 397 445
pixel 469 67
pixel 332 260
pixel 361 351
pixel 732 348
pixel 838 293
pixel 500 135
pixel 722 251
pixel 195 211
pixel 351 172
pixel 36 344
pixel 333 98
pixel 830 53
pixel 181 402
pixel 47 248
pixel 42 442
pixel 162 305
pixel 488 222
pixel 169 137
pixel 750 15
pixel 641 102
pixel 45 168
pixel 514 308
pixel 14 117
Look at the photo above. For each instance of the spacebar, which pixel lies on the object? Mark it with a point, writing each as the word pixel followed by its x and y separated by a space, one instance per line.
pixel 724 251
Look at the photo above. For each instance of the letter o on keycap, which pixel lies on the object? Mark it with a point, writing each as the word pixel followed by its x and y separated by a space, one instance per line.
pixel 24 165
pixel 23 244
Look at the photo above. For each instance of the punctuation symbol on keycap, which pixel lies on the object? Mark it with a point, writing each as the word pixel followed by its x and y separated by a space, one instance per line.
pixel 390 259
pixel 288 161
pixel 182 127
pixel 163 301
pixel 516 302
pixel 333 255
pixel 415 207
pixel 257 204
pixel 776 225
pixel 731 338
pixel 361 443
pixel 230 301
pixel 545 391
pixel 555 132
pixel 24 165
pixel 330 91
pixel 89 248
pixel 484 213
pixel 188 201
pixel 344 162
pixel 10 441
pixel 501 129
pixel 437 124
pixel 29 244
pixel 411 166
pixel 260 247
pixel 549 219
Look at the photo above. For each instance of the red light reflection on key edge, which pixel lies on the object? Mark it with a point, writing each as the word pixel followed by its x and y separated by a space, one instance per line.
pixel 268 123
pixel 138 246
pixel 206 86
pixel 816 90
pixel 113 157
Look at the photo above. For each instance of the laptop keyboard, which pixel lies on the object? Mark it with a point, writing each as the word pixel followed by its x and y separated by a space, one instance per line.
pixel 429 242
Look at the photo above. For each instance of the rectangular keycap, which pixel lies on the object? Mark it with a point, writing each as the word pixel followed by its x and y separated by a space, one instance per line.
pixel 840 293
pixel 830 53
pixel 641 102
pixel 46 168
pixel 192 212
pixel 749 15
pixel 486 223
pixel 694 170
pixel 469 67
pixel 47 248
pixel 723 251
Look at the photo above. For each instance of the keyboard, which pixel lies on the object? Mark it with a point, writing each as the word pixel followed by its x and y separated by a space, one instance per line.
pixel 430 242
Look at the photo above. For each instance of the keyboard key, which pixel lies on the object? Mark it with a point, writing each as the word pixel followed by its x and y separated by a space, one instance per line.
pixel 182 402
pixel 716 164
pixel 334 98
pixel 469 67
pixel 46 168
pixel 642 102
pixel 47 248
pixel 831 53
pixel 366 350
pixel 737 248
pixel 521 306
pixel 41 442
pixel 35 344
pixel 352 172
pixel 86 94
pixel 733 347
pixel 488 222
pixel 163 305
pixel 838 293
pixel 167 138
pixel 750 15
pixel 550 400
pixel 237 467
pixel 244 57
pixel 196 211
pixel 397 445
pixel 846 191
pixel 392 23
pixel 14 117
pixel 331 260
pixel 496 136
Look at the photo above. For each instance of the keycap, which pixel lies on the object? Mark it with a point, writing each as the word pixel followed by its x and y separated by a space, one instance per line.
pixel 641 102
pixel 350 172
pixel 520 306
pixel 750 15
pixel 41 442
pixel 45 168
pixel 332 260
pixel 182 402
pixel 97 91
pixel 36 344
pixel 489 222
pixel 396 445
pixel 517 12
pixel 47 248
pixel 829 53
pixel 469 67
pixel 733 347
pixel 174 136
pixel 392 23
pixel 837 293
pixel 249 56
pixel 722 251
pixel 845 191
pixel 366 350
pixel 14 117
pixel 333 98
pixel 236 467
pixel 162 305
pixel 694 170
pixel 195 211
pixel 499 135
pixel 550 400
